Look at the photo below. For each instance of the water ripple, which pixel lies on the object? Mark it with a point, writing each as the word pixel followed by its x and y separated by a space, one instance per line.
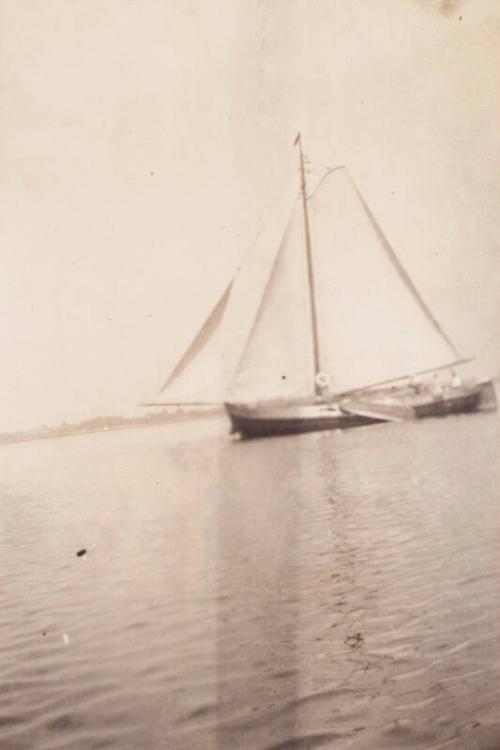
pixel 325 590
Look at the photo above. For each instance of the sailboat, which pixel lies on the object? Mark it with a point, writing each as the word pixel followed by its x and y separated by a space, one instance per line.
pixel 322 328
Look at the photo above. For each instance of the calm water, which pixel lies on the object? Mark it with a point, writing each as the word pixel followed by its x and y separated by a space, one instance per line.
pixel 328 590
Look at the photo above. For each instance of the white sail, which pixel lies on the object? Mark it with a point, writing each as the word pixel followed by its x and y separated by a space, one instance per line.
pixel 206 370
pixel 372 327
pixel 277 361
pixel 199 374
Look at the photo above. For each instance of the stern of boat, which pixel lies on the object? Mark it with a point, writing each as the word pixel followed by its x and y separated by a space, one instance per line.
pixel 488 395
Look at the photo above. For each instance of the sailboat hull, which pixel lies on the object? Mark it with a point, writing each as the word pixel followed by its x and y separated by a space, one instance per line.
pixel 253 421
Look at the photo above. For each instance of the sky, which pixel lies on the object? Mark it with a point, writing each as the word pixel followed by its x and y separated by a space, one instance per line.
pixel 143 145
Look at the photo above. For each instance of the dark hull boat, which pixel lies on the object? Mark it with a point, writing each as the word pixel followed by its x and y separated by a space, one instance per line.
pixel 275 420
pixel 331 337
pixel 271 422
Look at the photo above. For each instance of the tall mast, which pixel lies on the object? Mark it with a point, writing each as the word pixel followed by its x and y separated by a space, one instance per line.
pixel 310 269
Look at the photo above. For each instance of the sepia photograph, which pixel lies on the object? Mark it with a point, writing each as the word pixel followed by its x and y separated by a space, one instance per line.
pixel 249 315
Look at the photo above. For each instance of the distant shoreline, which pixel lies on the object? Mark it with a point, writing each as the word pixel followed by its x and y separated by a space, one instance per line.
pixel 103 424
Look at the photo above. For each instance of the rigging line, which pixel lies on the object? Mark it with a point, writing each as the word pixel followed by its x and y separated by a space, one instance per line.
pixel 391 254
pixel 327 174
